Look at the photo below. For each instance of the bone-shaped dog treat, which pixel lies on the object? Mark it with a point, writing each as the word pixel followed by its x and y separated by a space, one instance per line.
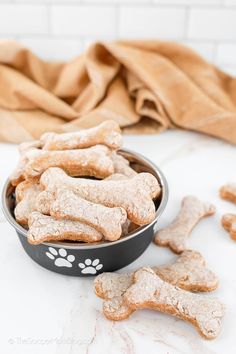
pixel 26 196
pixel 134 194
pixel 121 165
pixel 108 221
pixel 228 192
pixel 43 228
pixel 188 272
pixel 175 235
pixel 94 161
pixel 150 292
pixel 17 175
pixel 229 223
pixel 107 133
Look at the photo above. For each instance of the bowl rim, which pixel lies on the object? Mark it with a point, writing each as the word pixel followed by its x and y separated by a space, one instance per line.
pixel 159 211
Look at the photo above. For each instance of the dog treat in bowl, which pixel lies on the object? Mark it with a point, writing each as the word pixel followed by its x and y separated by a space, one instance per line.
pixel 104 139
pixel 69 206
pixel 46 228
pixel 17 175
pixel 107 133
pixel 175 235
pixel 26 196
pixel 135 194
pixel 94 161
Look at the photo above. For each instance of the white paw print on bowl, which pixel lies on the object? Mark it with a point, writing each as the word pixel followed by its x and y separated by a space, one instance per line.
pixel 90 267
pixel 60 257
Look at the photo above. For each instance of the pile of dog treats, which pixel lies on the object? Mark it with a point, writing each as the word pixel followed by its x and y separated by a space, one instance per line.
pixel 56 202
pixel 170 288
pixel 75 186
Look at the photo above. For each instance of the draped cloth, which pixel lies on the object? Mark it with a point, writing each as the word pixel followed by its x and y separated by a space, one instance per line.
pixel 146 86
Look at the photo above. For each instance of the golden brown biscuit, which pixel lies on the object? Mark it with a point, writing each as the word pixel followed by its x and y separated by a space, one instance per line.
pixel 17 175
pixel 94 161
pixel 26 196
pixel 43 228
pixel 150 292
pixel 189 272
pixel 106 220
pixel 107 133
pixel 175 235
pixel 134 194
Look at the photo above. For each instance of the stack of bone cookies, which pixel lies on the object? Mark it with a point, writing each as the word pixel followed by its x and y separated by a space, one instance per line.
pixel 75 186
pixel 169 288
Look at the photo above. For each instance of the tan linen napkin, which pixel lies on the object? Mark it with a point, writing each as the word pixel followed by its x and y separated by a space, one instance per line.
pixel 146 86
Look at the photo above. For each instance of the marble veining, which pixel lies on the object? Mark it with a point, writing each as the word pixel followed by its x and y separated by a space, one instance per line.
pixel 44 312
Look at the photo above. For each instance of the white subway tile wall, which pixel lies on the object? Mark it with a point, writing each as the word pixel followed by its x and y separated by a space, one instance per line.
pixel 63 29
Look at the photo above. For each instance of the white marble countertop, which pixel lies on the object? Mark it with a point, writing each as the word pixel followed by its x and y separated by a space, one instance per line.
pixel 44 312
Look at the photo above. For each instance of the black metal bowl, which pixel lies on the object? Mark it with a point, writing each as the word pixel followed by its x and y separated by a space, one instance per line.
pixel 81 259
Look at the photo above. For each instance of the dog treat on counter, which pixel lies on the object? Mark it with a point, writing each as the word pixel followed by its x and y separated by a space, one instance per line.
pixel 188 272
pixel 121 165
pixel 175 235
pixel 228 192
pixel 149 291
pixel 43 228
pixel 107 133
pixel 94 161
pixel 229 223
pixel 26 196
pixel 134 194
pixel 108 221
